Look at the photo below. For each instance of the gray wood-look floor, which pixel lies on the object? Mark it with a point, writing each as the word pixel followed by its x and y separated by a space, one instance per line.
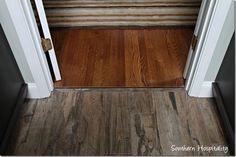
pixel 117 122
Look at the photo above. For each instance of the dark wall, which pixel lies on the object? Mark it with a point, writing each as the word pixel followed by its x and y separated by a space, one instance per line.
pixel 11 87
pixel 224 93
pixel 226 81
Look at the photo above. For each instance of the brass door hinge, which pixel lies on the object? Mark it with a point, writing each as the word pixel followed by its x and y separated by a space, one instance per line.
pixel 46 44
pixel 194 42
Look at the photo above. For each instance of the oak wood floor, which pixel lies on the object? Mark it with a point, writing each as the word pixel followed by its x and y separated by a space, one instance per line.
pixel 117 122
pixel 122 57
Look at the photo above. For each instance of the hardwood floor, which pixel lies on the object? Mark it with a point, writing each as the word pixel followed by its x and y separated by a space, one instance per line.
pixel 117 122
pixel 122 57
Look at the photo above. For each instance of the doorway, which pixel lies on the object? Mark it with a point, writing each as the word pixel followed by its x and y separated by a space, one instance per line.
pixel 145 47
pixel 21 22
pixel 151 57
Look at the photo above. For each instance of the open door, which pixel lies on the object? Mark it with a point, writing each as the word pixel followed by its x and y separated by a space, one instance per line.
pixel 47 39
pixel 196 33
pixel 202 24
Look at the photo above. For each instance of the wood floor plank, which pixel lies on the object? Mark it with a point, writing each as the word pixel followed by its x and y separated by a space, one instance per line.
pixel 168 123
pixel 132 59
pixel 116 64
pixel 157 57
pixel 122 58
pixel 117 122
pixel 94 129
pixel 145 141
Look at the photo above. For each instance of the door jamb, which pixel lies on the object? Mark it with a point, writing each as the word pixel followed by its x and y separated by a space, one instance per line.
pixel 20 28
pixel 196 33
pixel 28 35
pixel 196 85
pixel 30 17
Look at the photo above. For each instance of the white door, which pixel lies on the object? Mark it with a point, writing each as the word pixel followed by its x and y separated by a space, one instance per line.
pixel 47 35
pixel 204 17
pixel 199 24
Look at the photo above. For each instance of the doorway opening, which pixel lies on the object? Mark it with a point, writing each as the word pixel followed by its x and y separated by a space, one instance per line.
pixel 135 43
pixel 122 57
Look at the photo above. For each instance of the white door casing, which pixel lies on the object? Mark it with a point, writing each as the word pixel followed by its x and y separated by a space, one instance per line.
pixel 37 39
pixel 215 23
pixel 20 30
pixel 202 26
pixel 199 24
pixel 26 32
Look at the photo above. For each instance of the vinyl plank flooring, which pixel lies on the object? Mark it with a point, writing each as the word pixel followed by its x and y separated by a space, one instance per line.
pixel 117 122
pixel 153 57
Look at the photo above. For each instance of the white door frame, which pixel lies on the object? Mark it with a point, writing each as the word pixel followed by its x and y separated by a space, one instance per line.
pixel 33 27
pixel 195 84
pixel 196 33
pixel 27 33
pixel 21 29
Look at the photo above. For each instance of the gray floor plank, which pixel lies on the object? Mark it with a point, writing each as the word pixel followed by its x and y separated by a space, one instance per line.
pixel 117 122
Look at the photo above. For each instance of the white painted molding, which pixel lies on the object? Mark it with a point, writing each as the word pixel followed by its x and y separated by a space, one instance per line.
pixel 205 91
pixel 197 32
pixel 32 91
pixel 26 38
pixel 201 41
pixel 47 34
pixel 212 38
pixel 33 27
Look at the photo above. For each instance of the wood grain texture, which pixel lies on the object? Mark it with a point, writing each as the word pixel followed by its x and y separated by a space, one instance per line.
pixel 74 13
pixel 122 57
pixel 117 122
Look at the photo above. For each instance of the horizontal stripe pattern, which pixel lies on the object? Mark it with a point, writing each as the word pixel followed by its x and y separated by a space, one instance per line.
pixel 72 13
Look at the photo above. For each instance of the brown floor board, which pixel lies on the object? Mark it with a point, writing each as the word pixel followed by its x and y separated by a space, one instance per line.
pixel 117 122
pixel 122 58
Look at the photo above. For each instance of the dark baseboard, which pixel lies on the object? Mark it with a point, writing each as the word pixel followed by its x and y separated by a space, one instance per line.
pixel 224 118
pixel 12 122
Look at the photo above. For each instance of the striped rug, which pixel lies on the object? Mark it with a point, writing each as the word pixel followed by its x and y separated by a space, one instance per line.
pixel 72 13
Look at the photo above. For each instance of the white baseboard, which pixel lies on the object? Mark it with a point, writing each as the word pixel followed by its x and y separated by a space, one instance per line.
pixel 206 90
pixel 36 93
pixel 32 91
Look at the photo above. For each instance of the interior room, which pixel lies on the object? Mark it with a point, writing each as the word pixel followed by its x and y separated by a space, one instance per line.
pixel 115 43
pixel 117 78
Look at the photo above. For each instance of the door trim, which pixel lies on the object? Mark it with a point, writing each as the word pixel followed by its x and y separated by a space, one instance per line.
pixel 195 82
pixel 32 25
pixel 26 33
pixel 195 57
pixel 196 33
pixel 20 30
pixel 37 40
